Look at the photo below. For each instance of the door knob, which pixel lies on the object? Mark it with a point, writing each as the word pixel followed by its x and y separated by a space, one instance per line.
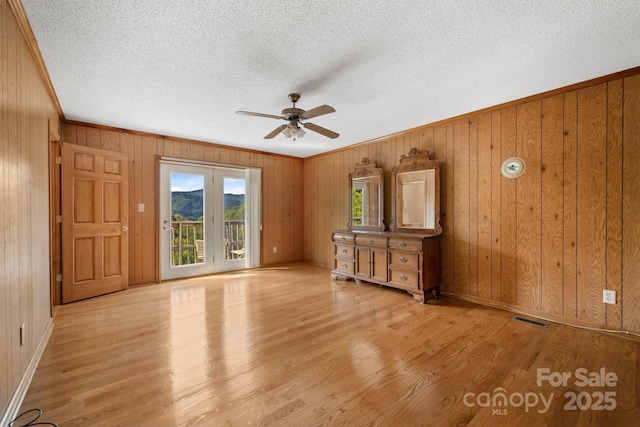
pixel 165 224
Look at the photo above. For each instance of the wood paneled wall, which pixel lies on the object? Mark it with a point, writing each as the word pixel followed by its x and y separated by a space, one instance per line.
pixel 548 242
pixel 26 111
pixel 281 191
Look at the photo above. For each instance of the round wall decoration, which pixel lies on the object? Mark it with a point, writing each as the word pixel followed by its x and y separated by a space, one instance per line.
pixel 513 167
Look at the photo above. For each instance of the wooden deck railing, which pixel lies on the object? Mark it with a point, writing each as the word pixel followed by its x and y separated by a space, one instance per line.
pixel 184 234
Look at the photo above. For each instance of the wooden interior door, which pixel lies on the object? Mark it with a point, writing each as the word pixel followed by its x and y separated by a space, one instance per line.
pixel 94 222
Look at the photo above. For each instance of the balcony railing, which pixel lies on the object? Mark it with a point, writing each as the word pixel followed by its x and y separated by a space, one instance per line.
pixel 187 241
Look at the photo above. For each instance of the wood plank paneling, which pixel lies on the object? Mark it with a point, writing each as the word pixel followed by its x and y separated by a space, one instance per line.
pixel 461 246
pixel 440 154
pixel 93 138
pixel 484 224
pixel 552 205
pixel 473 206
pixel 528 207
pixel 70 132
pixel 592 202
pixel 110 141
pixel 81 135
pixel 496 210
pixel 12 189
pixel 631 206
pixel 614 200
pixel 137 274
pixel 570 160
pixel 7 385
pixel 267 210
pixel 450 211
pixel 27 113
pixel 508 210
pixel 127 147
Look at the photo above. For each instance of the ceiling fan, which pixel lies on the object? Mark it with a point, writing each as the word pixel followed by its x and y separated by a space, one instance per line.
pixel 295 116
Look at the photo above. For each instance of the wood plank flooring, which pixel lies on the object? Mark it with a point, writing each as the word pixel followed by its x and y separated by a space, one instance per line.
pixel 287 346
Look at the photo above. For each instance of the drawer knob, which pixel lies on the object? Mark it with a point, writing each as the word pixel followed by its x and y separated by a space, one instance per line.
pixel 342 238
pixel 403 277
pixel 344 251
pixel 403 259
pixel 403 244
pixel 369 241
pixel 344 265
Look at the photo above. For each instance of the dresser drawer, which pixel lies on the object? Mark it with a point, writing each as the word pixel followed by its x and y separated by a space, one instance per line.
pixel 405 279
pixel 378 242
pixel 343 238
pixel 406 260
pixel 407 244
pixel 344 251
pixel 344 265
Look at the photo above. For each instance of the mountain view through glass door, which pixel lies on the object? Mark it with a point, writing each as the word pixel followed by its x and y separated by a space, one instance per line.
pixel 234 218
pixel 187 213
pixel 209 219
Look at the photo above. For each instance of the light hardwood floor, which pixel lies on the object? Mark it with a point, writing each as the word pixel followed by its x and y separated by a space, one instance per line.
pixel 288 346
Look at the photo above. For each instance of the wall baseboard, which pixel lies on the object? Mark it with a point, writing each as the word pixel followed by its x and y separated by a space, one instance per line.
pixel 546 316
pixel 21 391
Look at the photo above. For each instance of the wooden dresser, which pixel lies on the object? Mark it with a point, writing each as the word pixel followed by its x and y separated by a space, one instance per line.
pixel 401 260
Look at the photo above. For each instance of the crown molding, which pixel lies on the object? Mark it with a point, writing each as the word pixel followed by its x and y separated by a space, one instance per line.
pixel 23 22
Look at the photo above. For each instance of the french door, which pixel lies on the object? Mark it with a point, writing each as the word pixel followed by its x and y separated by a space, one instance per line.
pixel 209 219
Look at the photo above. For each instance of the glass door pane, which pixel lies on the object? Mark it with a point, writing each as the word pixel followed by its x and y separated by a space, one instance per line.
pixel 230 237
pixel 186 210
pixel 187 214
pixel 234 218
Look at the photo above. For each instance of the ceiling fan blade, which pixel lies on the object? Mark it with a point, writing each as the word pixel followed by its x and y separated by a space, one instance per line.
pixel 318 111
pixel 249 113
pixel 322 131
pixel 276 131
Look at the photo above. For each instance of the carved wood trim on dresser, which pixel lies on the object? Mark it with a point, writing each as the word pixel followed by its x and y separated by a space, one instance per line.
pixel 405 261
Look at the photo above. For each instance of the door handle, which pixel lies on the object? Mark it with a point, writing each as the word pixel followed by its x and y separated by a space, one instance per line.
pixel 125 228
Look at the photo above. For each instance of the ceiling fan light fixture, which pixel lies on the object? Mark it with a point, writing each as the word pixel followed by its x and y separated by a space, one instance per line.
pixel 293 131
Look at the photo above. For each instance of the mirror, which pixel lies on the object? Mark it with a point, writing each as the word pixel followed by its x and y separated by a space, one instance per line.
pixel 366 198
pixel 416 199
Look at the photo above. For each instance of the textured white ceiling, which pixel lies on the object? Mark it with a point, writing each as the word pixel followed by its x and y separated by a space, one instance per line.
pixel 182 68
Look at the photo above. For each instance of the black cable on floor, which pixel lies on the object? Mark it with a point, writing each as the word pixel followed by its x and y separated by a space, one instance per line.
pixel 24 417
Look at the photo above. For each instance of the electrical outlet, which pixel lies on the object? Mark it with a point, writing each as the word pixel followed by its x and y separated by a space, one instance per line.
pixel 608 297
pixel 275 249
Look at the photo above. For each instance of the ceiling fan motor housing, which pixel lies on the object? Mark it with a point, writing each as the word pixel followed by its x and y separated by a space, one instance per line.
pixel 292 113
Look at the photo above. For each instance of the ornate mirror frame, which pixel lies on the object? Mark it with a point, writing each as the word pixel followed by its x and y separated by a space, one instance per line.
pixel 366 182
pixel 415 185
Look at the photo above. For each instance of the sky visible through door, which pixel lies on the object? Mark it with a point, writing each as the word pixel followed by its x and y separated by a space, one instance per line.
pixel 182 182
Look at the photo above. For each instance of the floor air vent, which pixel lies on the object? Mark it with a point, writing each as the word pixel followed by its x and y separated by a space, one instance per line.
pixel 530 321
